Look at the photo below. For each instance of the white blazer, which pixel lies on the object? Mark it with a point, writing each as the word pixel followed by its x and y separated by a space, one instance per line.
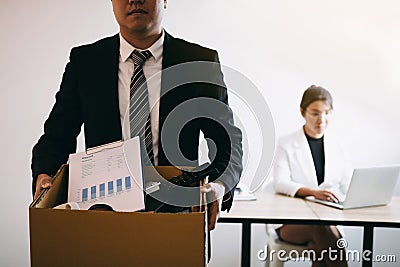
pixel 293 166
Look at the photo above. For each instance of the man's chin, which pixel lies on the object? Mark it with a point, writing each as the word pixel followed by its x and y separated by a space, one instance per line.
pixel 141 29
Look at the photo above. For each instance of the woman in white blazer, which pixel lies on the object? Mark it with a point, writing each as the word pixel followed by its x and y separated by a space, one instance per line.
pixel 310 162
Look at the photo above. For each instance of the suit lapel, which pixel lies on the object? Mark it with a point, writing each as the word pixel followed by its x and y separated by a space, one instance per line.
pixel 166 63
pixel 109 70
pixel 168 51
pixel 104 123
pixel 170 58
pixel 175 51
pixel 304 157
pixel 112 65
pixel 166 103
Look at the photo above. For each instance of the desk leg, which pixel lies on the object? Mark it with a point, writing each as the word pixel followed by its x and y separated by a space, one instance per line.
pixel 246 249
pixel 368 240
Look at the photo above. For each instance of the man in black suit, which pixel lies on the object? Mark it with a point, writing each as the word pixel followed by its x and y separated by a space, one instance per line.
pixel 95 92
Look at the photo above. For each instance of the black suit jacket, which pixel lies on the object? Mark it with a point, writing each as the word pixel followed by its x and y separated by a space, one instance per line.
pixel 88 95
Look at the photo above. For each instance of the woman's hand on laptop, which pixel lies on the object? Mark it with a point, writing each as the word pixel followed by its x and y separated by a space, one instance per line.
pixel 321 194
pixel 325 195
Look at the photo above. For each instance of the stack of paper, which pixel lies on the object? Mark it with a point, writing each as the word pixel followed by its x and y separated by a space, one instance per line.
pixel 242 193
pixel 101 176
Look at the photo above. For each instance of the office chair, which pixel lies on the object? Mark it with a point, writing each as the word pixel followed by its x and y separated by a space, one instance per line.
pixel 274 243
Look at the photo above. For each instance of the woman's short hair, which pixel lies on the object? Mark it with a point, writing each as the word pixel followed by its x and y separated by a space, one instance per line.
pixel 315 93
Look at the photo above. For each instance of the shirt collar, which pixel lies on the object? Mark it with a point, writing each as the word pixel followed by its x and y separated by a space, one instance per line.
pixel 156 49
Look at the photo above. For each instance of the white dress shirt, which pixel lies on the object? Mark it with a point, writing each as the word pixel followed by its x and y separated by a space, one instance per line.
pixel 152 71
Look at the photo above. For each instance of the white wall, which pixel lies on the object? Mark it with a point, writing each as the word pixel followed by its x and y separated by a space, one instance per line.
pixel 349 47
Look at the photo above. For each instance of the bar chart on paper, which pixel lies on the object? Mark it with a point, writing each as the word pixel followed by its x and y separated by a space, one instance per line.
pixel 104 178
pixel 106 189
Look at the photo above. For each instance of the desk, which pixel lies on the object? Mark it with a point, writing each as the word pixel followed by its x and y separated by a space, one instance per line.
pixel 272 208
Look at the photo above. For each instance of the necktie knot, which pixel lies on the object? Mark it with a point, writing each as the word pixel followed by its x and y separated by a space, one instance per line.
pixel 139 58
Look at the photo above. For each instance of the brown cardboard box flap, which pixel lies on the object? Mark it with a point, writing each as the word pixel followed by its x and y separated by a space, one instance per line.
pixel 104 238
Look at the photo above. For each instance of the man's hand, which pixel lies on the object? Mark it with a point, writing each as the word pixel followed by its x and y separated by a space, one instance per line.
pixel 43 181
pixel 215 192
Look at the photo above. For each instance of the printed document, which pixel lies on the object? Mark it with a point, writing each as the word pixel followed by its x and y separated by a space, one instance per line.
pixel 101 176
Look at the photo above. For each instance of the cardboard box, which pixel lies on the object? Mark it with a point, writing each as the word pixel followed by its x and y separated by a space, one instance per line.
pixel 104 238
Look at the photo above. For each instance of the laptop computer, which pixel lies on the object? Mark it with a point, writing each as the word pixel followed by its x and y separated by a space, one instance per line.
pixel 368 187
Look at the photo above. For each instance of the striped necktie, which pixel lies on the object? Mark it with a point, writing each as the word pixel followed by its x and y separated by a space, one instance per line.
pixel 139 108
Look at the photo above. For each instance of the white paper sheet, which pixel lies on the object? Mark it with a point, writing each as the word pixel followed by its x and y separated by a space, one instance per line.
pixel 242 193
pixel 101 176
